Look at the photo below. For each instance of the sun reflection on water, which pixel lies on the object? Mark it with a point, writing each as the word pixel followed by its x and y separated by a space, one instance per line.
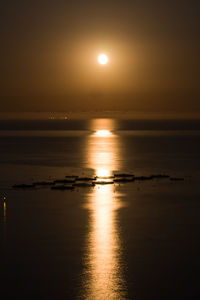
pixel 103 133
pixel 103 260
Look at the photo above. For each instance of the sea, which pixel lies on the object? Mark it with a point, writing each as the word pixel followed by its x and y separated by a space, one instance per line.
pixel 136 240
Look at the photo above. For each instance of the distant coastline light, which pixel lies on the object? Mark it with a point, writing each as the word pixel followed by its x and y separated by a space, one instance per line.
pixel 103 59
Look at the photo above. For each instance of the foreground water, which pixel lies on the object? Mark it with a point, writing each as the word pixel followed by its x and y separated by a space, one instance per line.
pixel 138 240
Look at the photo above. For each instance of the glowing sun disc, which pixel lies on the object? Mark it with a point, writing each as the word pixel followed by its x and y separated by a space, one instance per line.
pixel 103 59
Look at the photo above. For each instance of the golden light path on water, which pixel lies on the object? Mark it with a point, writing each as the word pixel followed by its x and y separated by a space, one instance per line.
pixel 103 261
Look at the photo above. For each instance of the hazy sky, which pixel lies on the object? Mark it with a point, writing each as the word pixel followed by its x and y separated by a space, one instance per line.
pixel 49 55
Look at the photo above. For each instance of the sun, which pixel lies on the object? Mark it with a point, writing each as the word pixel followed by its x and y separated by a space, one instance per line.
pixel 103 59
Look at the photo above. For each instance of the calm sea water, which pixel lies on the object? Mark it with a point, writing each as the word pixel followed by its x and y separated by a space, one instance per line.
pixel 125 241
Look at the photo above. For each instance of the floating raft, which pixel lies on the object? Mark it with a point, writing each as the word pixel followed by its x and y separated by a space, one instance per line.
pixel 72 181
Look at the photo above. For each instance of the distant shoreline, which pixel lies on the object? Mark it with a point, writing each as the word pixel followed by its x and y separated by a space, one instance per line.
pixel 137 115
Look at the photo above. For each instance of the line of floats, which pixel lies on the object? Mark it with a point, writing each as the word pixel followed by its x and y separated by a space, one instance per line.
pixel 70 182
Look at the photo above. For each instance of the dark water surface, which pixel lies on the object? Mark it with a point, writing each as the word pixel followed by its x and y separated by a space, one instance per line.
pixel 137 240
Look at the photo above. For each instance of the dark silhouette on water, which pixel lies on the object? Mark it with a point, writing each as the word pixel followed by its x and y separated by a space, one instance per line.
pixel 23 186
pixel 104 182
pixel 124 179
pixel 123 175
pixel 76 181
